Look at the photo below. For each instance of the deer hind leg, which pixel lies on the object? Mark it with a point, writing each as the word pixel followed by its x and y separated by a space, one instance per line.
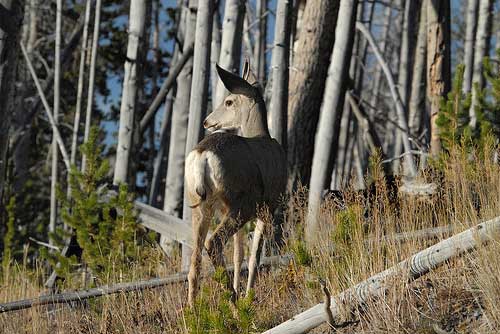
pixel 215 246
pixel 201 222
pixel 237 258
pixel 256 250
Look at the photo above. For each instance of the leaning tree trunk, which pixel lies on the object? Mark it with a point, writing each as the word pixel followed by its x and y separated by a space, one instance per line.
pixel 307 84
pixel 230 49
pixel 331 112
pixel 416 105
pixel 438 62
pixel 279 72
pixel 199 92
pixel 129 95
pixel 10 25
pixel 481 49
pixel 470 35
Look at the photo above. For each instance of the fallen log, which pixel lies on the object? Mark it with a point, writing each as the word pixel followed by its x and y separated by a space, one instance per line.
pixel 68 297
pixel 410 269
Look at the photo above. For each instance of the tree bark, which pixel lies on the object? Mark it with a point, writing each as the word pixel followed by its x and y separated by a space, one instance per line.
pixel 438 62
pixel 215 54
pixel 129 95
pixel 279 72
pixel 481 49
pixel 57 99
pixel 93 61
pixel 261 41
pixel 416 105
pixel 307 84
pixel 230 49
pixel 175 170
pixel 470 35
pixel 331 113
pixel 9 42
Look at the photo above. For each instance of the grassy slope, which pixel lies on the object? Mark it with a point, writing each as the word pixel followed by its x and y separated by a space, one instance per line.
pixel 462 296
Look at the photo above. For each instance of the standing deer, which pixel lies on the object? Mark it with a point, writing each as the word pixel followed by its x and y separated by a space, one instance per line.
pixel 230 176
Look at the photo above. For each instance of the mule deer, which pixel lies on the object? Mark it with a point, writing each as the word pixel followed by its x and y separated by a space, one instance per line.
pixel 230 175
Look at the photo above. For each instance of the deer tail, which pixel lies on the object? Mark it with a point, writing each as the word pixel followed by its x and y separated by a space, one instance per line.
pixel 199 179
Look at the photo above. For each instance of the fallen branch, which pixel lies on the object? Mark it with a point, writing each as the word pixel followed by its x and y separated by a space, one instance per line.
pixel 408 270
pixel 122 287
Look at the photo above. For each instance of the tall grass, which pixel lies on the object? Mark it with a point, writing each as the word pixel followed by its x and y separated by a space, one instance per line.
pixel 462 296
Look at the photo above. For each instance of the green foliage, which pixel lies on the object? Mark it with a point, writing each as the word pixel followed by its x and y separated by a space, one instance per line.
pixel 348 226
pixel 301 254
pixel 453 115
pixel 105 230
pixel 488 110
pixel 224 317
pixel 9 234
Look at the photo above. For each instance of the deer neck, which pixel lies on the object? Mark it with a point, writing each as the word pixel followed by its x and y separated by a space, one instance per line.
pixel 256 123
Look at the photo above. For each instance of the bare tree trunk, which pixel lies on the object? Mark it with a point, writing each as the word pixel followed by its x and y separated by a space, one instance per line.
pixel 481 49
pixel 261 41
pixel 470 35
pixel 417 95
pixel 129 95
pixel 230 50
pixel 57 99
pixel 9 38
pixel 331 112
pixel 81 79
pixel 438 62
pixel 199 93
pixel 401 115
pixel 343 141
pixel 175 171
pixel 93 60
pixel 307 84
pixel 214 55
pixel 279 72
pixel 377 77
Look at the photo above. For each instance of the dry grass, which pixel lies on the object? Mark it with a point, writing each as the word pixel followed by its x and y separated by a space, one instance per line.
pixel 463 296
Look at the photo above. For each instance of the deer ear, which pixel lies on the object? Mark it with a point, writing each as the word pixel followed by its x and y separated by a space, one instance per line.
pixel 235 84
pixel 246 69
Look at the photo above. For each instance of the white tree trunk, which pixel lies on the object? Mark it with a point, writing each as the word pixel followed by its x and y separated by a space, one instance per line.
pixel 259 54
pixel 481 49
pixel 129 95
pixel 470 35
pixel 175 170
pixel 330 113
pixel 230 50
pixel 214 55
pixel 199 93
pixel 90 92
pixel 279 72
pixel 57 99
pixel 416 106
pixel 81 79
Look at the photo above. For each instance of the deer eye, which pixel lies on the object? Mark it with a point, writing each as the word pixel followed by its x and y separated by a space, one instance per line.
pixel 229 103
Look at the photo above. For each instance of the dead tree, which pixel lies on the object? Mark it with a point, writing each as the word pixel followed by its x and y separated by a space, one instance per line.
pixel 259 55
pixel 307 85
pixel 481 49
pixel 10 24
pixel 470 36
pixel 438 62
pixel 129 94
pixel 230 49
pixel 331 111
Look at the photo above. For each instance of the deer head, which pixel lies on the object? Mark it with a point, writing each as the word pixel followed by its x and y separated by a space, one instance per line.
pixel 244 110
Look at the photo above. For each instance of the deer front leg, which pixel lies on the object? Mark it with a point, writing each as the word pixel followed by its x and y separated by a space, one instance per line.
pixel 237 258
pixel 200 230
pixel 255 252
pixel 215 247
